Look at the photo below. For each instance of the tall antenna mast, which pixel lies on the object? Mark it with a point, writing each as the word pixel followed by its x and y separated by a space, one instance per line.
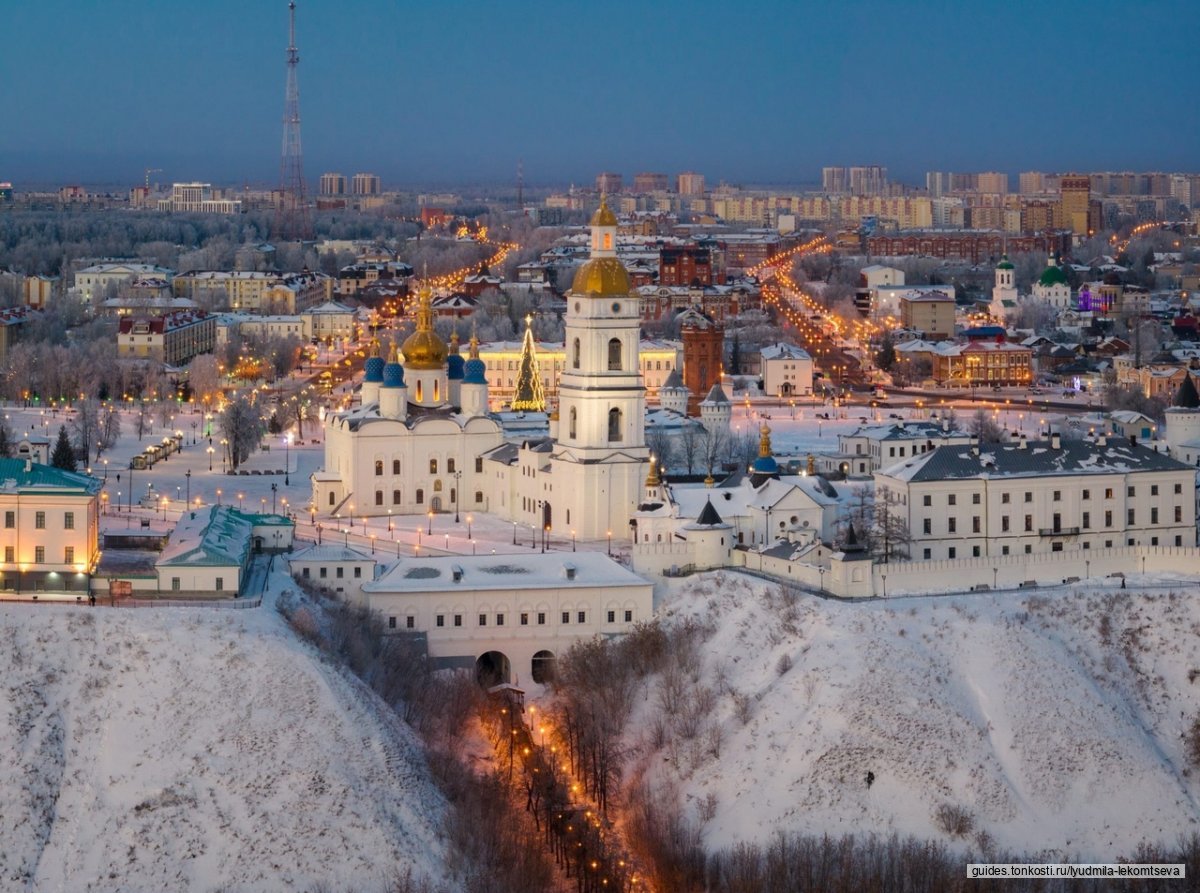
pixel 291 213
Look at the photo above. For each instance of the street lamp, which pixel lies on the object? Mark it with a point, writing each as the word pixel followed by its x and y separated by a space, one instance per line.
pixel 274 490
pixel 610 542
pixel 995 571
pixel 514 533
pixel 219 491
pixel 188 475
pixel 457 475
pixel 430 516
pixel 391 528
pixel 287 459
pixel 241 496
pixel 572 540
pixel 210 455
pixel 468 526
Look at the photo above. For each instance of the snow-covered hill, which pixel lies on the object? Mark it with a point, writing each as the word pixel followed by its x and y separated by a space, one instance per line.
pixel 1056 721
pixel 176 749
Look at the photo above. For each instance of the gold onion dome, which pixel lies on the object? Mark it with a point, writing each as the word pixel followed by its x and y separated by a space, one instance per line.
pixel 601 276
pixel 604 216
pixel 423 349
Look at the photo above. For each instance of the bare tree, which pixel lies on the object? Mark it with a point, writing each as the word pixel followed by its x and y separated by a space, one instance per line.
pixel 890 537
pixel 142 420
pixel 110 429
pixel 985 427
pixel 204 378
pixel 659 442
pixel 242 426
pixel 85 427
pixel 689 446
pixel 713 445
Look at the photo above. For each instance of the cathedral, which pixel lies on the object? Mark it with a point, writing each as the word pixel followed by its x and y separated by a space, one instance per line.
pixel 423 439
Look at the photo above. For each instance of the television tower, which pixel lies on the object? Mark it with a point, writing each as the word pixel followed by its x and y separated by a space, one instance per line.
pixel 291 212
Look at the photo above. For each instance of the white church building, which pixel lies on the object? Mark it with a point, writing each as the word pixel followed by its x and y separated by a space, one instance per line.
pixel 423 440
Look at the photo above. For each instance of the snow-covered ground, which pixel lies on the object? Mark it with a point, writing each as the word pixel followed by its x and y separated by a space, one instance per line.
pixel 1056 720
pixel 193 749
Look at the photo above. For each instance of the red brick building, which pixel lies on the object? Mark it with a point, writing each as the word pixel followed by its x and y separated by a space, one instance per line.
pixel 703 355
pixel 685 265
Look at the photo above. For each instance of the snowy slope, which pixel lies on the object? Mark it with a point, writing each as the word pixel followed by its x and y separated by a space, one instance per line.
pixel 176 749
pixel 1057 721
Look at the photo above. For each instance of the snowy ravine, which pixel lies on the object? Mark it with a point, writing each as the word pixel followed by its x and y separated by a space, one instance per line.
pixel 194 749
pixel 1056 720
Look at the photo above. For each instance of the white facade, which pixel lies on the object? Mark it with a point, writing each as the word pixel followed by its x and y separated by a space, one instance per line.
pixel 1045 496
pixel 787 371
pixel 513 607
pixel 93 282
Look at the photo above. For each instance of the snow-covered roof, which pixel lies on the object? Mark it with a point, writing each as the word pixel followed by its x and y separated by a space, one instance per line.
pixel 1036 459
pixel 467 573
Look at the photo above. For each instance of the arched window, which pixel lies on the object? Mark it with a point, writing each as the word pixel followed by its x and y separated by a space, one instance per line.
pixel 379 497
pixel 420 391
pixel 571 424
pixel 608 241
pixel 436 396
pixel 395 466
pixel 395 497
pixel 378 467
pixel 614 354
pixel 575 354
pixel 614 424
pixel 479 496
pixel 331 493
pixel 420 496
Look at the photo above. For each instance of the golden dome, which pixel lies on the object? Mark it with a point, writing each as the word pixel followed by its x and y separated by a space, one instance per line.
pixel 601 276
pixel 423 349
pixel 603 216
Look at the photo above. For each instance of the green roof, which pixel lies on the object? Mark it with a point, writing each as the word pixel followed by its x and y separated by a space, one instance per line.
pixel 1005 263
pixel 16 474
pixel 1053 275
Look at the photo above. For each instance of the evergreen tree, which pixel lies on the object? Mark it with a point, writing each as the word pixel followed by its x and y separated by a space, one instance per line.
pixel 885 359
pixel 735 356
pixel 64 454
pixel 8 441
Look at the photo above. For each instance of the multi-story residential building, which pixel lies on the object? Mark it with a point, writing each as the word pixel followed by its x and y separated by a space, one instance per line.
pixel 1031 183
pixel 172 339
pixel 255 292
pixel 333 184
pixel 12 323
pixel 650 182
pixel 608 183
pixel 686 265
pixel 690 183
pixel 976 247
pixel 1045 496
pixel 50 533
pixel 787 371
pixel 94 281
pixel 355 277
pixel 366 184
pixel 992 182
pixel 198 198
pixel 38 290
pixel 928 312
pixel 1075 192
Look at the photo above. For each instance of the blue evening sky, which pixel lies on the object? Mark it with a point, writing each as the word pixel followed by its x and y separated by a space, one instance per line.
pixel 451 91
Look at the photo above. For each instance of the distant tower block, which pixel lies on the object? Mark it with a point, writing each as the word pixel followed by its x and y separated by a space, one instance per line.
pixel 291 213
pixel 333 184
pixel 366 184
pixel 608 183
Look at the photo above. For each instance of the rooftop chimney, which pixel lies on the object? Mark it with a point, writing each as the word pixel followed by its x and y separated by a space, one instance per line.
pixel 1055 441
pixel 1024 444
pixel 1101 439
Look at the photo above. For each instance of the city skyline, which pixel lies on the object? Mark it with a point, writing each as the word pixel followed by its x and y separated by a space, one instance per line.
pixel 766 94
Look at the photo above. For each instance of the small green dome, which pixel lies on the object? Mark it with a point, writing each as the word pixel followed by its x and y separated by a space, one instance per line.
pixel 1005 263
pixel 1053 275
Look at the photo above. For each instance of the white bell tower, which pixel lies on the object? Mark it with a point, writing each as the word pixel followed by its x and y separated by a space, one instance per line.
pixel 599 462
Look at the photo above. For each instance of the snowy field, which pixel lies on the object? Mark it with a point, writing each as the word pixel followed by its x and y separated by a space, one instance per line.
pixel 1056 721
pixel 177 749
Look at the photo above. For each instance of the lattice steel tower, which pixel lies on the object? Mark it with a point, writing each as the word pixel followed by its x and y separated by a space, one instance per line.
pixel 291 214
